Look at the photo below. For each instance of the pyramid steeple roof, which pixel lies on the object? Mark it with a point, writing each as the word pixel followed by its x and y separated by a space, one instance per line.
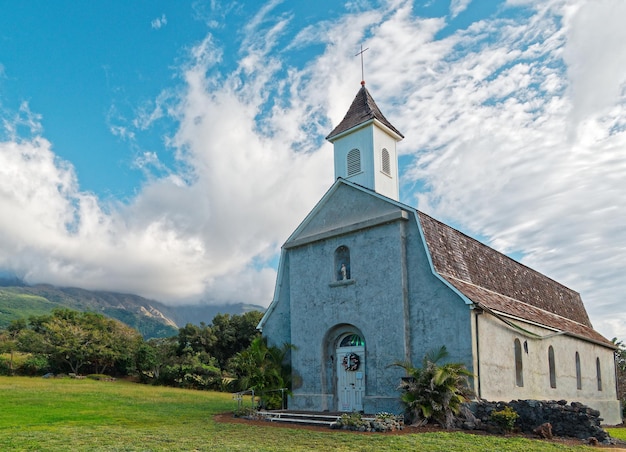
pixel 362 110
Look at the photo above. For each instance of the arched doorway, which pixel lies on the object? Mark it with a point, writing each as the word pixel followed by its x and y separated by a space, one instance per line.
pixel 350 362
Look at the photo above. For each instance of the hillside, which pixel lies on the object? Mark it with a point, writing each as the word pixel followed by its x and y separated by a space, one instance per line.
pixel 151 318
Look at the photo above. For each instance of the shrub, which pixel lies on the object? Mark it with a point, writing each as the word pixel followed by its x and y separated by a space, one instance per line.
pixel 352 421
pixel 5 368
pixel 34 365
pixel 265 370
pixel 245 412
pixel 383 422
pixel 434 391
pixel 100 377
pixel 504 419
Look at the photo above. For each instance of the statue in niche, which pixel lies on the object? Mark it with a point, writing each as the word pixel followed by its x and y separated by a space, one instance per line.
pixel 342 263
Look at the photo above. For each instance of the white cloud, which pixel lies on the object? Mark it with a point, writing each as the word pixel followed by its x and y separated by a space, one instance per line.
pixel 24 122
pixel 458 6
pixel 159 22
pixel 595 57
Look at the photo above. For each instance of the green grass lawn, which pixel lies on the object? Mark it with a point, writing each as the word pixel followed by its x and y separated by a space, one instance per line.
pixel 619 433
pixel 86 415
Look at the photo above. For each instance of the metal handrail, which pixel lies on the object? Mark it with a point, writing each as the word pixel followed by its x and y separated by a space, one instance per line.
pixel 238 396
pixel 282 395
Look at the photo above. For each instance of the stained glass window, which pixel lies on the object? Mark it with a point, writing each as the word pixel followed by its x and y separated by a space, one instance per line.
pixel 352 340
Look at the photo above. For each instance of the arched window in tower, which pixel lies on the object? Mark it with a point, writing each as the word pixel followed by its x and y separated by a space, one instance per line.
pixel 342 263
pixel 353 163
pixel 552 367
pixel 579 380
pixel 386 162
pixel 598 374
pixel 519 369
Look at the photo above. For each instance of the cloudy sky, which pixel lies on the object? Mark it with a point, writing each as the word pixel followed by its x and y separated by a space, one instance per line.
pixel 168 149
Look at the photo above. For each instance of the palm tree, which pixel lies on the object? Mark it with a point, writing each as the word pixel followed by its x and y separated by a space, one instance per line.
pixel 434 391
pixel 264 369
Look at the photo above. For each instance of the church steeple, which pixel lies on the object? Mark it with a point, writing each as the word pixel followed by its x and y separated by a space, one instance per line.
pixel 365 147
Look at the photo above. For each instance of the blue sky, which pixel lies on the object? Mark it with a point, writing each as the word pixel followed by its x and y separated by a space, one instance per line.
pixel 169 148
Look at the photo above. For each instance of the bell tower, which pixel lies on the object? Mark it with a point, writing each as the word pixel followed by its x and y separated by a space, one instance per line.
pixel 365 147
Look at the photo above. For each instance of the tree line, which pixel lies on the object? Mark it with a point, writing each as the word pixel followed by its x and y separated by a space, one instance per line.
pixel 620 363
pixel 229 354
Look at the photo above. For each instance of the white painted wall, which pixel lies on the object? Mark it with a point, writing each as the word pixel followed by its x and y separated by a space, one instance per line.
pixel 497 367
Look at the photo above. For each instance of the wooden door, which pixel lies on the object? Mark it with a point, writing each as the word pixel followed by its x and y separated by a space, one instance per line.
pixel 350 377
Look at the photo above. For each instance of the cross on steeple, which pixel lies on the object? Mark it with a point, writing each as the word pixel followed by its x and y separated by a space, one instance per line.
pixel 362 72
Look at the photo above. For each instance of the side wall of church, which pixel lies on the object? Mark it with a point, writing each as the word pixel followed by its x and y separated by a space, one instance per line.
pixel 438 316
pixel 277 327
pixel 501 380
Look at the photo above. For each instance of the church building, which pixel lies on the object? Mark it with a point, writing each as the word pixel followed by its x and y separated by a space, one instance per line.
pixel 366 281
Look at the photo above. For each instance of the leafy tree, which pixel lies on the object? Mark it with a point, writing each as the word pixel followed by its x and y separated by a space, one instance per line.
pixel 189 369
pixel 66 340
pixel 263 368
pixel 9 340
pixel 233 334
pixel 194 338
pixel 620 355
pixel 152 356
pixel 620 364
pixel 109 341
pixel 434 391
pixel 78 340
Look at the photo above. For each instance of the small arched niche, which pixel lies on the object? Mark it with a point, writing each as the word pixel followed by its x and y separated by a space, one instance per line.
pixel 342 263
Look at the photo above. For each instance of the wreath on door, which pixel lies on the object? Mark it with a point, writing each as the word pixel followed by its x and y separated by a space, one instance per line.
pixel 351 361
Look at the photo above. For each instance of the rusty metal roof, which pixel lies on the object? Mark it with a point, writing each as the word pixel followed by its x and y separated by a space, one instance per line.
pixel 496 282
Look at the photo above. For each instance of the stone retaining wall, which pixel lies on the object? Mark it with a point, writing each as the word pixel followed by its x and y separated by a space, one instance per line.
pixel 574 420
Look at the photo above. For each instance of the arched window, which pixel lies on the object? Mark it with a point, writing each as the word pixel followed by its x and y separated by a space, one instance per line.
pixel 386 162
pixel 598 374
pixel 579 380
pixel 552 367
pixel 519 370
pixel 342 263
pixel 353 162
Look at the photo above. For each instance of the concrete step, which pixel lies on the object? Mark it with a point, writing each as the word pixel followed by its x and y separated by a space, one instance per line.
pixel 304 418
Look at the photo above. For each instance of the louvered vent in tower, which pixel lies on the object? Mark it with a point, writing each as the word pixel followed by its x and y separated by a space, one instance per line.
pixel 354 162
pixel 386 162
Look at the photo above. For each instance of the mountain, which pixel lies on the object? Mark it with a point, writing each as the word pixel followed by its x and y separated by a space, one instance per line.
pixel 206 312
pixel 150 317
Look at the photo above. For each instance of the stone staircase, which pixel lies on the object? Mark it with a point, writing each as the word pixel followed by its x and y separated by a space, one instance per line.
pixel 303 418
